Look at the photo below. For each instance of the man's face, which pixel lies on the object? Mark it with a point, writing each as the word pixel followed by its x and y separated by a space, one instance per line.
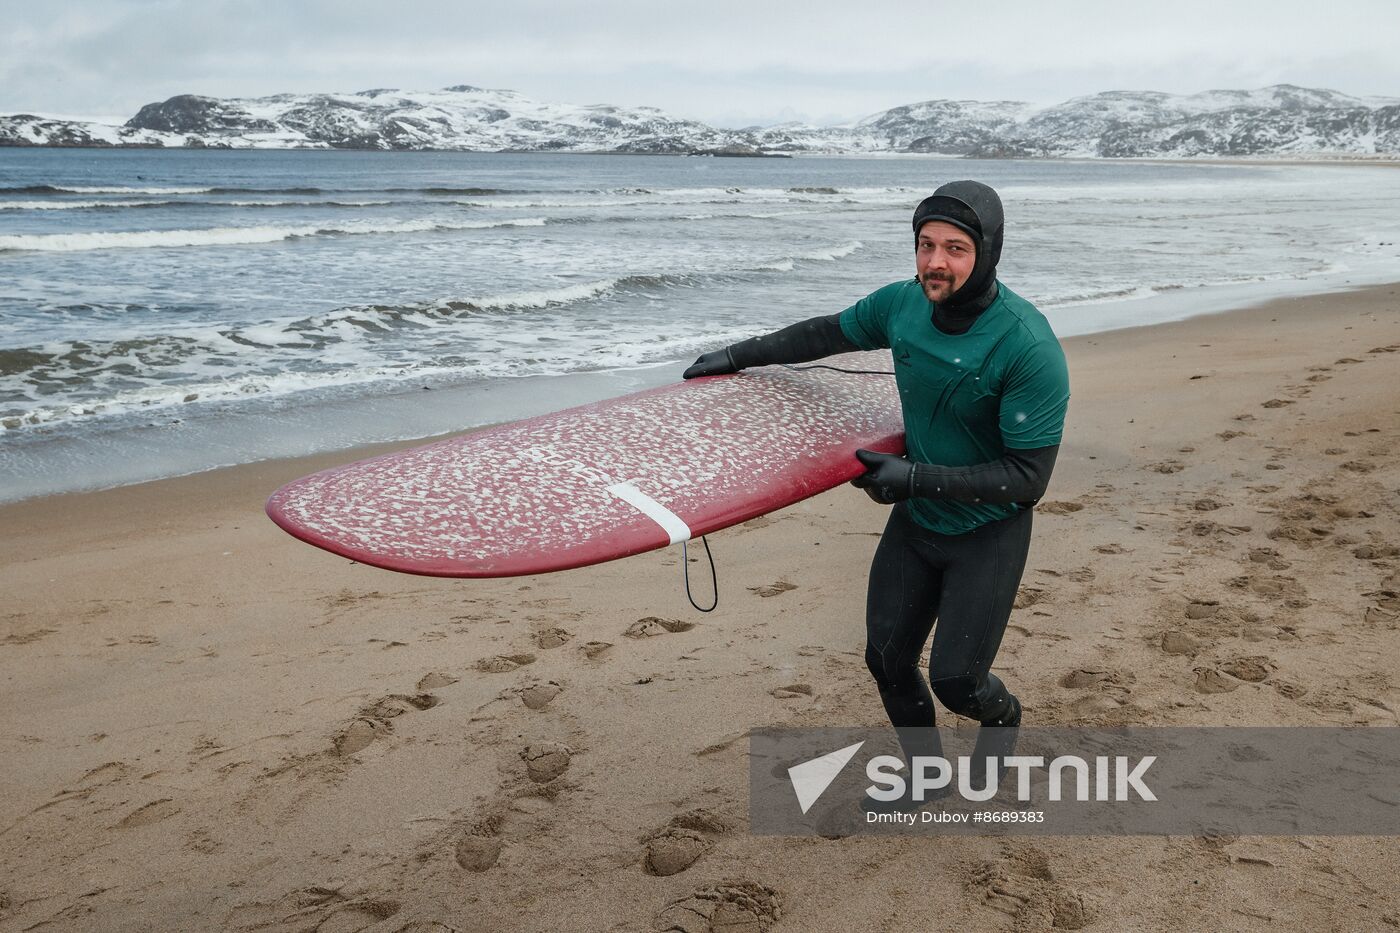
pixel 943 258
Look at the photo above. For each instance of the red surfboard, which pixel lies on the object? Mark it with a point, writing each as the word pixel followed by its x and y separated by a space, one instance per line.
pixel 602 481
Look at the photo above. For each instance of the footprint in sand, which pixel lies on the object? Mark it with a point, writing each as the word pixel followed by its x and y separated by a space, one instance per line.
pixel 1281 589
pixel 672 850
pixel 1023 885
pixel 203 842
pixel 1205 528
pixel 773 589
pixel 1060 508
pixel 153 812
pixel 552 638
pixel 792 691
pixel 360 914
pixel 480 844
pixel 434 680
pixel 25 638
pixel 723 744
pixel 1166 466
pixel 727 906
pixel 1112 547
pixel 538 696
pixel 504 663
pixel 1083 678
pixel 323 909
pixel 1302 521
pixel 1358 466
pixel 653 625
pixel 1268 556
pixel 1210 680
pixel 1387 600
pixel 593 650
pixel 545 761
pixel 682 841
pixel 1377 617
pixel 1251 669
pixel 1202 609
pixel 373 721
pixel 1277 403
pixel 1027 596
pixel 1179 643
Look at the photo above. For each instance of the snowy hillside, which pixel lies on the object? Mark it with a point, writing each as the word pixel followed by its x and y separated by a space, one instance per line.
pixel 1282 120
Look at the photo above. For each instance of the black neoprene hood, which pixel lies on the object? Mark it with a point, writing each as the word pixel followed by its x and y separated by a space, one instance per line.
pixel 974 208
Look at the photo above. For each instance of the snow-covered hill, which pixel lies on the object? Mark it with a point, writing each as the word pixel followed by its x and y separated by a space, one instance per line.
pixel 1282 120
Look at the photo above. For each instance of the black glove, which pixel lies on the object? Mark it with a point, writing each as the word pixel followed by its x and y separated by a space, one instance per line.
pixel 888 479
pixel 714 363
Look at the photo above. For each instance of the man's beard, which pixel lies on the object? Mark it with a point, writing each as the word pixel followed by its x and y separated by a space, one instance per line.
pixel 943 284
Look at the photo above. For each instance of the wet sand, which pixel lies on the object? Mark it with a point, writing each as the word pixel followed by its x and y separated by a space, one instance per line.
pixel 210 725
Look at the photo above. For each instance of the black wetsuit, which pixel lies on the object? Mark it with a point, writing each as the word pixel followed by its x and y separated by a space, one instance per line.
pixel 965 582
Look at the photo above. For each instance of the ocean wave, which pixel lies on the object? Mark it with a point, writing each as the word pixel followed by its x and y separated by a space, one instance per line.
pixel 233 236
pixel 829 254
pixel 280 203
pixel 388 317
pixel 201 376
pixel 118 205
pixel 99 189
pixel 80 205
pixel 51 367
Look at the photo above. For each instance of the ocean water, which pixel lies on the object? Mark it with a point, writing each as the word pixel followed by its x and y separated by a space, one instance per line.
pixel 169 311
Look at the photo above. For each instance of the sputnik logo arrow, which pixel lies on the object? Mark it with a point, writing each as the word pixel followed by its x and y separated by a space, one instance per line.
pixel 811 778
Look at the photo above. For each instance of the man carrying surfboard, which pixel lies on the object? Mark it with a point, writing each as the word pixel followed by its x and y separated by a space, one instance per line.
pixel 984 389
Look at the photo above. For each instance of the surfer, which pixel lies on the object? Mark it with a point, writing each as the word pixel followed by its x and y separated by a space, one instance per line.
pixel 984 389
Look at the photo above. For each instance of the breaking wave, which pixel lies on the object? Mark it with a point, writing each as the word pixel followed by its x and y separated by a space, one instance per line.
pixel 117 205
pixel 88 189
pixel 234 236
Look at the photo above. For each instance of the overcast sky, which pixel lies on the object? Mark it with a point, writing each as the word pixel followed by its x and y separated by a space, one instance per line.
pixel 727 62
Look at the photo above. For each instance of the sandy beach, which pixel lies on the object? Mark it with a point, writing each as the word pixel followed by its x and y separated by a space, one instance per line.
pixel 210 725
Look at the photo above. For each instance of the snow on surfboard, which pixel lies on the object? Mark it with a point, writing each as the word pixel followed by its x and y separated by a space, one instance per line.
pixel 605 480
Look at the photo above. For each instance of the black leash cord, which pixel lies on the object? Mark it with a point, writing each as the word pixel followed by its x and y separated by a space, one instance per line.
pixel 685 570
pixel 838 369
pixel 685 553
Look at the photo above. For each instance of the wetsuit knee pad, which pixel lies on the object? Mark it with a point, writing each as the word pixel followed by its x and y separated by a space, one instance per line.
pixel 875 662
pixel 992 705
pixel 957 694
pixel 889 674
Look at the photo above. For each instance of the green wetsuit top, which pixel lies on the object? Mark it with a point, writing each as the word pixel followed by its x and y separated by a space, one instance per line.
pixel 967 398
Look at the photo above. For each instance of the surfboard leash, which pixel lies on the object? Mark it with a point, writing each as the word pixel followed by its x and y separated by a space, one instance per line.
pixel 838 369
pixel 685 571
pixel 685 553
